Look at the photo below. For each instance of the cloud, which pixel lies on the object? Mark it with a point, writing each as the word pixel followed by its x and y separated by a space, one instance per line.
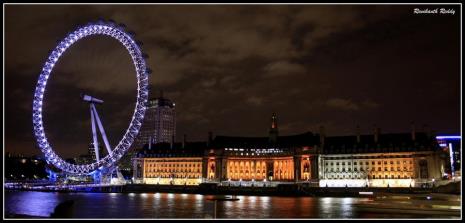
pixel 283 68
pixel 349 105
pixel 255 101
pixel 343 104
pixel 228 67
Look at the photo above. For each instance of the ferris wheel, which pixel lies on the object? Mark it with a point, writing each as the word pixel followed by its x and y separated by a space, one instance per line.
pixel 117 32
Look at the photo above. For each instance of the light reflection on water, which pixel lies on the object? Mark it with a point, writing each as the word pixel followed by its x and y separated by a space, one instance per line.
pixel 168 205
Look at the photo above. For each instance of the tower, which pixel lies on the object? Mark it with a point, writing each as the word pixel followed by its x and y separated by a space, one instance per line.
pixel 159 122
pixel 273 134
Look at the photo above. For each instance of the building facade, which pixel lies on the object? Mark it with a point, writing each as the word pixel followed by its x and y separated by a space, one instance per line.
pixel 168 163
pixel 159 123
pixel 379 160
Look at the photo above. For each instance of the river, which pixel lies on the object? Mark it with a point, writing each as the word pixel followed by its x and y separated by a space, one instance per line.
pixel 170 205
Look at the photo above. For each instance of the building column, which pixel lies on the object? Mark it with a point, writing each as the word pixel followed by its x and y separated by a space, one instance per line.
pixel 220 169
pixel 314 166
pixel 205 167
pixel 297 168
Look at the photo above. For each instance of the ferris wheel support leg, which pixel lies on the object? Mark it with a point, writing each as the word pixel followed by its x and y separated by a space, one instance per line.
pixel 94 133
pixel 102 130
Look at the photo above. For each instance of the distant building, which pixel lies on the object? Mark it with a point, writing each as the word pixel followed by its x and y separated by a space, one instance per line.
pixel 451 144
pixel 91 152
pixel 159 123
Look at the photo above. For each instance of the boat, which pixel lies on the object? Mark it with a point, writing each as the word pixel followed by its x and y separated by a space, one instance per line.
pixel 223 198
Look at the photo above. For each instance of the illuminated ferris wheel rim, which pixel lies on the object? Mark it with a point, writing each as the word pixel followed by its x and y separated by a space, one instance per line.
pixel 118 33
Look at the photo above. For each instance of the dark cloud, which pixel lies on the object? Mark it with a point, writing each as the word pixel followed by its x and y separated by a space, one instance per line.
pixel 349 105
pixel 228 67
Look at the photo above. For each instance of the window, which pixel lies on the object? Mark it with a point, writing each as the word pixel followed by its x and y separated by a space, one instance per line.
pixel 398 168
pixel 355 169
pixel 385 169
pixel 392 162
pixel 343 163
pixel 379 168
pixel 379 162
pixel 398 162
pixel 355 163
pixel 385 162
pixel 366 163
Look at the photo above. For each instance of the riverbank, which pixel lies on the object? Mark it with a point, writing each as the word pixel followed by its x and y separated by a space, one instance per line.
pixel 214 189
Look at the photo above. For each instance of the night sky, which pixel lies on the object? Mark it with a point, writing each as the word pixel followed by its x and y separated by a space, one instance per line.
pixel 229 67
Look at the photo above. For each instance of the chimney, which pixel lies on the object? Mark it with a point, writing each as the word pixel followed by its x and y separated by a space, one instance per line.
pixel 358 134
pixel 184 141
pixel 210 138
pixel 412 124
pixel 322 135
pixel 377 130
pixel 427 130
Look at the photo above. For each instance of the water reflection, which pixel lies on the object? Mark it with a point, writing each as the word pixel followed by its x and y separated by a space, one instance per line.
pixel 168 205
